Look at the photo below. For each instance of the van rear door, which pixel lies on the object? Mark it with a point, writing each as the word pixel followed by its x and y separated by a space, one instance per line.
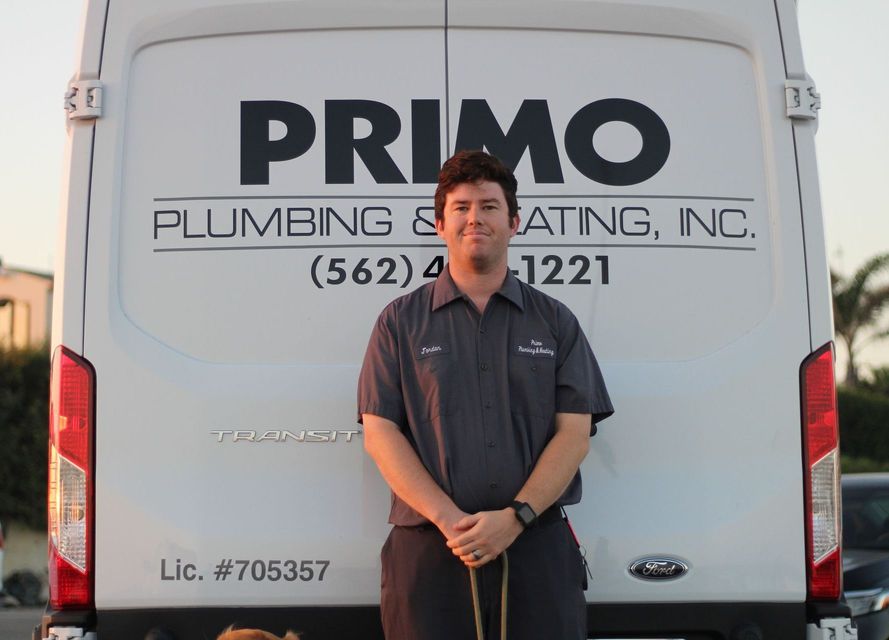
pixel 663 207
pixel 238 167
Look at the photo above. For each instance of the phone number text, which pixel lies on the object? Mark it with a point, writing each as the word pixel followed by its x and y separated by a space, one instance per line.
pixel 578 269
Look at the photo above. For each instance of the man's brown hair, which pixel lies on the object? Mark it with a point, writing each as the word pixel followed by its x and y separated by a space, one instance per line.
pixel 475 166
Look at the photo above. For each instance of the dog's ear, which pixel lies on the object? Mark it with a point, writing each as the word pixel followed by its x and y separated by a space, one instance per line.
pixel 290 636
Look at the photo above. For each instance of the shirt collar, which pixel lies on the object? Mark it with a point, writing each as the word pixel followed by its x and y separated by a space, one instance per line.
pixel 445 290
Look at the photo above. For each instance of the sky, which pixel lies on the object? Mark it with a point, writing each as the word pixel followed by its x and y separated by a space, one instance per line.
pixel 847 55
pixel 843 45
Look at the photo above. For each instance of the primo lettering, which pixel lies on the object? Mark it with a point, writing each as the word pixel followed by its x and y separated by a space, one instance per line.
pixel 478 128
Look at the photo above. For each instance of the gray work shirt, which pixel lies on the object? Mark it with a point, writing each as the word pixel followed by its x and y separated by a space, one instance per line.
pixel 476 395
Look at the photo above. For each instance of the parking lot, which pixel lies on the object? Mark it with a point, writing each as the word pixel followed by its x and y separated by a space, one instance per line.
pixel 16 623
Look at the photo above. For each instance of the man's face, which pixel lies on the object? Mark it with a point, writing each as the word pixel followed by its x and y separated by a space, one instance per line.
pixel 476 226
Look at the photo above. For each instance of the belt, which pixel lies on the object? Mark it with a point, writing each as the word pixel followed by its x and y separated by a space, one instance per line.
pixel 553 514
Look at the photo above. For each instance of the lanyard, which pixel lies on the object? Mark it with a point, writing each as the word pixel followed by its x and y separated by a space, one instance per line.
pixel 479 632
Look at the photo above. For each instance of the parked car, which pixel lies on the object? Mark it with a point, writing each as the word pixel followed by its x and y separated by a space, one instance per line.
pixel 866 552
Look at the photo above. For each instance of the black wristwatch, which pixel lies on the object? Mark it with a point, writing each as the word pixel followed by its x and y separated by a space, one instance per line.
pixel 524 514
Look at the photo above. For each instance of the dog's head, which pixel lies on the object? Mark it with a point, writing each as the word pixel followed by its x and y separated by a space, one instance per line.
pixel 253 634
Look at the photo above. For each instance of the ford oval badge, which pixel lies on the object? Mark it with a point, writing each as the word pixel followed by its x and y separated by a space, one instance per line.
pixel 658 569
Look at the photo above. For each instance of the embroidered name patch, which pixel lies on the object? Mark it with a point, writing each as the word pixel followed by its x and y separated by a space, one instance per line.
pixel 427 350
pixel 535 349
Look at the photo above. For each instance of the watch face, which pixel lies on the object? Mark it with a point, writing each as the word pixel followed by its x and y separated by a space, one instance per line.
pixel 525 514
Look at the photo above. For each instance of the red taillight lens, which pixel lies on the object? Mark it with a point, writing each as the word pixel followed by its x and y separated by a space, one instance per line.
pixel 70 498
pixel 822 475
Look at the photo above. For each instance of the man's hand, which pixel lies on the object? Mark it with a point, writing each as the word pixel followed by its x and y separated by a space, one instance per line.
pixel 488 533
pixel 447 524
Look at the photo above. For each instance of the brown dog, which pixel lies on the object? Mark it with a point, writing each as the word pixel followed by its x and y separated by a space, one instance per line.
pixel 253 634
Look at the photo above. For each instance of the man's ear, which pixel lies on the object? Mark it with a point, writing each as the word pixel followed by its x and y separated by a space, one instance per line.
pixel 514 222
pixel 439 226
pixel 290 636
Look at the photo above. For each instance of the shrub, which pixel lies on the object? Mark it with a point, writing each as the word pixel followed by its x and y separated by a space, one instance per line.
pixel 24 395
pixel 849 464
pixel 864 424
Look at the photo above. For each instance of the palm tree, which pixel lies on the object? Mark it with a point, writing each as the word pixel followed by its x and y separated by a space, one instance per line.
pixel 858 302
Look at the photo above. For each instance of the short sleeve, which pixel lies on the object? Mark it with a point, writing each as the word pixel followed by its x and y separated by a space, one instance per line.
pixel 580 387
pixel 379 384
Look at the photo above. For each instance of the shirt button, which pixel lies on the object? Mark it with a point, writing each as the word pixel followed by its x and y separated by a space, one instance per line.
pixel 491 443
pixel 484 366
pixel 487 405
pixel 533 367
pixel 482 330
pixel 494 485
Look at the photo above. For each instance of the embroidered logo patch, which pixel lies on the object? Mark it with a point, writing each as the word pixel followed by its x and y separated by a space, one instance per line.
pixel 427 350
pixel 535 349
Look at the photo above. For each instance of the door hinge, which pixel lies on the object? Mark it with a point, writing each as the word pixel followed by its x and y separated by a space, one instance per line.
pixel 801 98
pixel 83 100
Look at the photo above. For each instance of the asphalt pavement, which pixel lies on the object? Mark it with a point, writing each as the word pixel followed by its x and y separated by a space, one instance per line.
pixel 16 623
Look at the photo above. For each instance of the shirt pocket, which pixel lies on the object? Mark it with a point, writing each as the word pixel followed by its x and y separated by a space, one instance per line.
pixel 434 379
pixel 532 376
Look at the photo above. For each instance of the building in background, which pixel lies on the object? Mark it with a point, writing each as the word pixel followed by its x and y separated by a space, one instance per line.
pixel 25 308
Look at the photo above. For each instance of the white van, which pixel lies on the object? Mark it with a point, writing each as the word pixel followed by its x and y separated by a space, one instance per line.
pixel 250 182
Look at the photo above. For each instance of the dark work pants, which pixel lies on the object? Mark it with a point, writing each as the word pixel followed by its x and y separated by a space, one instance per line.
pixel 426 592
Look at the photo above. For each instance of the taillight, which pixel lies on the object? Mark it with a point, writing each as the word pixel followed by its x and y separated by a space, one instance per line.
pixel 70 496
pixel 822 475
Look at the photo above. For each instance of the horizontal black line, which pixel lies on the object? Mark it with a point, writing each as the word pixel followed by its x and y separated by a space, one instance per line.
pixel 438 246
pixel 429 197
pixel 641 246
pixel 291 197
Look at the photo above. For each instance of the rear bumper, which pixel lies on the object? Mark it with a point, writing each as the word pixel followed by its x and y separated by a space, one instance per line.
pixel 691 621
pixel 699 621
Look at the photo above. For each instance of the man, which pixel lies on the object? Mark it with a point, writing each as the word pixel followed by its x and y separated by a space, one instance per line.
pixel 478 396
